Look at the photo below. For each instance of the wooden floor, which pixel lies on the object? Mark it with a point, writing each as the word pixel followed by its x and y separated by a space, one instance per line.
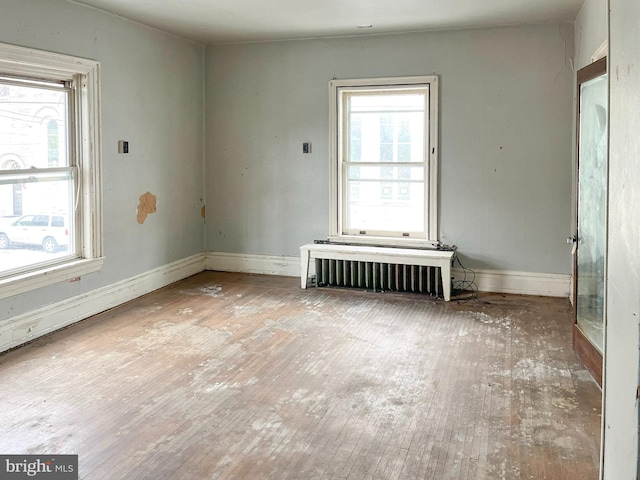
pixel 233 376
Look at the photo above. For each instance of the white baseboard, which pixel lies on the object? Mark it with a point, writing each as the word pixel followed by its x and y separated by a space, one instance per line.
pixel 499 281
pixel 26 327
pixel 525 283
pixel 246 263
pixel 23 328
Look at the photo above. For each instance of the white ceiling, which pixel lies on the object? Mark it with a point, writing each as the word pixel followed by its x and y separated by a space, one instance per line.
pixel 216 21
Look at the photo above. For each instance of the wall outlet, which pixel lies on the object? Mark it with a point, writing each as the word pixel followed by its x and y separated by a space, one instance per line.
pixel 123 146
pixel 306 147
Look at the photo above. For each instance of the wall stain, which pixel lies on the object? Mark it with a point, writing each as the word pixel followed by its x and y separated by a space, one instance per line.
pixel 146 206
pixel 203 211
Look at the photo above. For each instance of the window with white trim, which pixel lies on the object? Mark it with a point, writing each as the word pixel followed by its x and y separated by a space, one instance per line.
pixel 384 160
pixel 50 190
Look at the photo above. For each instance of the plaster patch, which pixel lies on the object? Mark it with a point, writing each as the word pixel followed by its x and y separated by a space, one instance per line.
pixel 146 206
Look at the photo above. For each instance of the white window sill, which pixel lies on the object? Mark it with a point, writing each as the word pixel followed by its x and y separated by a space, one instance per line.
pixel 384 241
pixel 28 281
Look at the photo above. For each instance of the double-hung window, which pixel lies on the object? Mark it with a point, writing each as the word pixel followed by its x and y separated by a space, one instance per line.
pixel 384 160
pixel 50 198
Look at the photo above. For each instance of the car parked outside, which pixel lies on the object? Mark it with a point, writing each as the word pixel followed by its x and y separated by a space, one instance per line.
pixel 50 231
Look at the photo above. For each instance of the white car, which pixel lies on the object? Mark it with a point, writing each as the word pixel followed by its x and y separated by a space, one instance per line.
pixel 51 231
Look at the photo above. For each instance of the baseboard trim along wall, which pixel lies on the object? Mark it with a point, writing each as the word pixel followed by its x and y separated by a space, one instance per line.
pixel 28 326
pixel 246 263
pixel 525 283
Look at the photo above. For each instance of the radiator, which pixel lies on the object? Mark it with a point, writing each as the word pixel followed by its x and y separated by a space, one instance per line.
pixel 378 276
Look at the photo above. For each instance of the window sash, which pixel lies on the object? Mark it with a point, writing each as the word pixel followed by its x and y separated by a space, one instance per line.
pixel 340 93
pixel 36 175
pixel 81 77
pixel 64 175
pixel 60 86
pixel 66 200
pixel 57 85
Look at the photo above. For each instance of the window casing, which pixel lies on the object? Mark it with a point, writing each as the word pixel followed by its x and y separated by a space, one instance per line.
pixel 384 154
pixel 65 163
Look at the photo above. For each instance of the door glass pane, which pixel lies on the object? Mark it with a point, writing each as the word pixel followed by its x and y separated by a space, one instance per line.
pixel 592 184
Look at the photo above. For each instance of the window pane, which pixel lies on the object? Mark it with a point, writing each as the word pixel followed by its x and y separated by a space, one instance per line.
pixel 386 152
pixel 385 198
pixel 43 231
pixel 390 127
pixel 355 138
pixel 404 152
pixel 33 127
pixel 36 214
pixel 53 141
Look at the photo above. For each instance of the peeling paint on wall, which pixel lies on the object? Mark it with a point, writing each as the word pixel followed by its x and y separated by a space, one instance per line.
pixel 146 206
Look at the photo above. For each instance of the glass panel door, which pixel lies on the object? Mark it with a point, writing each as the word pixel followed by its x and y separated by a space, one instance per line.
pixel 592 205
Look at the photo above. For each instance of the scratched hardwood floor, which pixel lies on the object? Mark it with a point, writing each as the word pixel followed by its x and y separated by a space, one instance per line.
pixel 232 376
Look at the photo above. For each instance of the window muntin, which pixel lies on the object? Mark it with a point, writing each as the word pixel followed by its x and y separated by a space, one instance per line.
pixel 384 169
pixel 64 161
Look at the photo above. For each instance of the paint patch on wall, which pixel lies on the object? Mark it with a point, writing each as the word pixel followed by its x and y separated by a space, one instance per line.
pixel 146 206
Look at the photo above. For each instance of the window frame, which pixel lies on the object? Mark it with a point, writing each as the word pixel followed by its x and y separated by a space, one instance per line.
pixel 84 78
pixel 338 230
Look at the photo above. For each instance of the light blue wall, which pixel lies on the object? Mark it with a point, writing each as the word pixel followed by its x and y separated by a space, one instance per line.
pixel 505 151
pixel 591 31
pixel 152 96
